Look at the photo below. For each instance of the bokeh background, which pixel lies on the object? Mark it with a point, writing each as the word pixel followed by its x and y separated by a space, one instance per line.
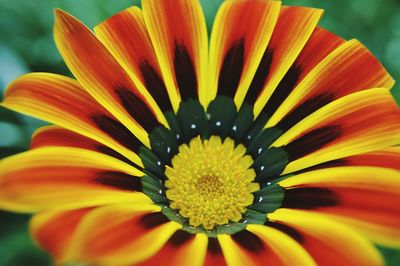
pixel 26 45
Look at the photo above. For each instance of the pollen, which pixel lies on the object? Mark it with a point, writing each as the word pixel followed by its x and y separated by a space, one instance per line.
pixel 210 181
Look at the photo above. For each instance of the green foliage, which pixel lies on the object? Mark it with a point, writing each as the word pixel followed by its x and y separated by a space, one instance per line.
pixel 26 44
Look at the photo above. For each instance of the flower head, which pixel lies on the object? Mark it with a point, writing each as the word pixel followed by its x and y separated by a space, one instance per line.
pixel 270 144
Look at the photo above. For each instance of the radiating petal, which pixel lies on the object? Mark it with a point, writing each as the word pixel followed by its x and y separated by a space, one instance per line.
pixel 247 249
pixel 240 35
pixel 122 234
pixel 292 31
pixel 62 101
pixel 361 122
pixel 360 196
pixel 319 45
pixel 61 137
pixel 178 32
pixel 126 37
pixel 348 69
pixel 214 254
pixel 181 249
pixel 101 75
pixel 66 178
pixel 287 249
pixel 53 230
pixel 329 242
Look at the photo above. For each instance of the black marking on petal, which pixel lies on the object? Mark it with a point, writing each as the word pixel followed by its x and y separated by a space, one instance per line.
pixel 305 109
pixel 151 220
pixel 333 163
pixel 249 241
pixel 179 238
pixel 117 131
pixel 155 85
pixel 282 91
pixel 119 180
pixel 309 198
pixel 312 141
pixel 137 109
pixel 214 247
pixel 260 77
pixel 110 152
pixel 185 72
pixel 290 231
pixel 231 70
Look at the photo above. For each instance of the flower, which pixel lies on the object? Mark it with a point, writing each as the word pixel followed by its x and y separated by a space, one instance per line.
pixel 273 145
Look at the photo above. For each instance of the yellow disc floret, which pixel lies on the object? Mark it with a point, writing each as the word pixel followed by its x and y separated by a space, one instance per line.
pixel 210 181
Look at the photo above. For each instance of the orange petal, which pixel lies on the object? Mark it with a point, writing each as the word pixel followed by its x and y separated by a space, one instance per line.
pixel 66 178
pixel 178 32
pixel 240 35
pixel 247 249
pixel 62 101
pixel 292 31
pixel 348 69
pixel 181 249
pixel 124 234
pixel 126 37
pixel 53 230
pixel 58 136
pixel 358 123
pixel 319 45
pixel 214 254
pixel 101 75
pixel 363 197
pixel 328 242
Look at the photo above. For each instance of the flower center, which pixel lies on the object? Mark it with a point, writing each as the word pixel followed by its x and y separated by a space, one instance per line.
pixel 211 182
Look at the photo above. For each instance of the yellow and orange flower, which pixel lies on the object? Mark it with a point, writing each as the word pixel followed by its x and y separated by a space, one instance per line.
pixel 270 144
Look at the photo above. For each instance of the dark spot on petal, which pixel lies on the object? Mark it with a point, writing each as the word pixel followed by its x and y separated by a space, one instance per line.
pixel 309 198
pixel 185 72
pixel 137 108
pixel 282 91
pixel 179 238
pixel 155 85
pixel 117 131
pixel 151 220
pixel 214 247
pixel 260 77
pixel 110 152
pixel 231 70
pixel 119 180
pixel 248 241
pixel 290 231
pixel 312 141
pixel 303 110
pixel 333 163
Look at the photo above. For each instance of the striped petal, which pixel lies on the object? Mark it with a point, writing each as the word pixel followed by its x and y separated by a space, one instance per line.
pixel 49 136
pixel 286 248
pixel 293 29
pixel 178 32
pixel 101 75
pixel 214 255
pixel 125 234
pixel 236 45
pixel 360 196
pixel 181 249
pixel 66 178
pixel 248 249
pixel 328 242
pixel 62 101
pixel 125 36
pixel 348 69
pixel 345 127
pixel 54 230
pixel 320 44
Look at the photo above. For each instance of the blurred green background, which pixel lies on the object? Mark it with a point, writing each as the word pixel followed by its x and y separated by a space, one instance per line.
pixel 26 45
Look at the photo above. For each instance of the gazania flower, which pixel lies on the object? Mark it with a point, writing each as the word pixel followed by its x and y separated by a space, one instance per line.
pixel 268 145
